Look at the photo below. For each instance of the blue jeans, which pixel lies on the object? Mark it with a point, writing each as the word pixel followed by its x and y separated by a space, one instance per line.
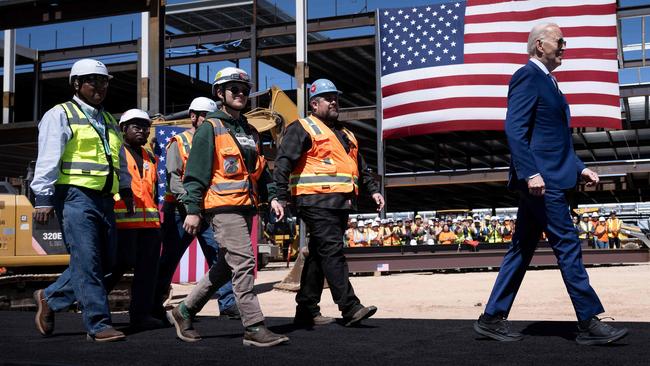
pixel 601 244
pixel 88 224
pixel 175 242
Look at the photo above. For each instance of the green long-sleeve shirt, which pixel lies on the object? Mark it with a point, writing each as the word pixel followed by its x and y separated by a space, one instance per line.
pixel 198 172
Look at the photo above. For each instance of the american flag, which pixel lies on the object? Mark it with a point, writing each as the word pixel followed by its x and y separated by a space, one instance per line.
pixel 163 135
pixel 192 265
pixel 446 66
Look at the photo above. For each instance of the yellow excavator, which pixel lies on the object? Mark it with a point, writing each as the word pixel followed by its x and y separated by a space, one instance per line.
pixel 31 252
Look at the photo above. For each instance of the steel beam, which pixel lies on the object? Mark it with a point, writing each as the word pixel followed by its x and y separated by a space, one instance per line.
pixel 9 76
pixel 501 174
pixel 426 260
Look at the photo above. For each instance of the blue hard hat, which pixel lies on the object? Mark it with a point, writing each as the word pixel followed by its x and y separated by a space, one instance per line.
pixel 322 86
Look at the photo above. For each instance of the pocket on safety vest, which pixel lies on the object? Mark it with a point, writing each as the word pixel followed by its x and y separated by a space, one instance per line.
pixel 232 164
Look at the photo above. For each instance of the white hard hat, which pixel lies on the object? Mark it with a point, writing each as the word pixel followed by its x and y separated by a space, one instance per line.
pixel 507 218
pixel 594 215
pixel 384 221
pixel 454 220
pixel 375 224
pixel 229 74
pixel 585 215
pixel 353 220
pixel 134 114
pixel 203 104
pixel 360 224
pixel 601 219
pixel 377 219
pixel 88 66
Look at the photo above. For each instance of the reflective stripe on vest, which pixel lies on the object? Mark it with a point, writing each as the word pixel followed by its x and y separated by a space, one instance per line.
pixel 84 161
pixel 232 184
pixel 326 167
pixel 146 210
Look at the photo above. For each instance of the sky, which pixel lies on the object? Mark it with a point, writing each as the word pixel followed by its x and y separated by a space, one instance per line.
pixel 127 27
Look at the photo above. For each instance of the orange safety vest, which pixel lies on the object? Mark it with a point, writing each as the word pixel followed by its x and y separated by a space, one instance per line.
pixel 326 167
pixel 143 187
pixel 613 227
pixel 232 184
pixel 184 142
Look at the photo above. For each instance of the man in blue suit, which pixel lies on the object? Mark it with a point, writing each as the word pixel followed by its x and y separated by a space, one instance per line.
pixel 543 168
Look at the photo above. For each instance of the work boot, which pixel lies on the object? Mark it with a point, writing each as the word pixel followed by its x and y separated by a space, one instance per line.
pixel 359 315
pixel 44 315
pixel 184 329
pixel 232 313
pixel 496 327
pixel 594 332
pixel 107 335
pixel 261 336
pixel 305 319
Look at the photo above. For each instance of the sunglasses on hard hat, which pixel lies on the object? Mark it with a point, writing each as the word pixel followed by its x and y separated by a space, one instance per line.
pixel 94 80
pixel 236 89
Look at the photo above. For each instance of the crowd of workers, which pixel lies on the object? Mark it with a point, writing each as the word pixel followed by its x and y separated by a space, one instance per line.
pixel 593 230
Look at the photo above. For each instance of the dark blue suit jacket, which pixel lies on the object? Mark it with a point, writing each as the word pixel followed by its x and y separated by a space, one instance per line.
pixel 537 127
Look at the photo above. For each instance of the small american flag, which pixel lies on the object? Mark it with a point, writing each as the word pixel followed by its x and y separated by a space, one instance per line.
pixel 163 135
pixel 192 265
pixel 446 66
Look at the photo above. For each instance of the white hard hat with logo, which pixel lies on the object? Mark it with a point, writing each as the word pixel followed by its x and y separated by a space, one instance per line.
pixel 132 114
pixel 203 104
pixel 88 66
pixel 230 74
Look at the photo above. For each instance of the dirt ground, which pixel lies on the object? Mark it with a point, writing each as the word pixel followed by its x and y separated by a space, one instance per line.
pixel 623 290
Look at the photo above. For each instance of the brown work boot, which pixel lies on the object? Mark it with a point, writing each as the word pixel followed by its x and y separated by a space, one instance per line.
pixel 44 315
pixel 308 320
pixel 261 336
pixel 184 329
pixel 107 335
pixel 359 315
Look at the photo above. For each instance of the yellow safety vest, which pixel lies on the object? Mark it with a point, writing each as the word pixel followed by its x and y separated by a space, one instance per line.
pixel 85 163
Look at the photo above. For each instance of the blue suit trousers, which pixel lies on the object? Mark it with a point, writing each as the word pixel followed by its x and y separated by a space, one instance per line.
pixel 549 213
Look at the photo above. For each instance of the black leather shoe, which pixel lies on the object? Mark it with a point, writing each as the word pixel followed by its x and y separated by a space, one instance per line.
pixel 594 332
pixel 232 313
pixel 496 328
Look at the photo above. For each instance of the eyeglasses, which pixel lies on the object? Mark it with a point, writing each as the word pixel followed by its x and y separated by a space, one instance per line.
pixel 95 80
pixel 236 89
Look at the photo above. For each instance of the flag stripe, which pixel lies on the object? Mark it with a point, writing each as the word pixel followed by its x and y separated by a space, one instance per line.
pixel 485 125
pixel 542 13
pixel 489 7
pixel 491 102
pixel 192 262
pixel 522 37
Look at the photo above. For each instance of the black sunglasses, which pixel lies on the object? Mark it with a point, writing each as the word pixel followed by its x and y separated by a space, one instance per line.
pixel 95 80
pixel 236 89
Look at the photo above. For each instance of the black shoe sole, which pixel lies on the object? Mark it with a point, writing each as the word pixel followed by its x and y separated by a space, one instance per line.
pixel 496 336
pixel 602 341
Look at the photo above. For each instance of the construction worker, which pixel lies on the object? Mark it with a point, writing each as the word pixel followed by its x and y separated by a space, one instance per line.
pixel 585 231
pixel 614 230
pixel 76 175
pixel 225 178
pixel 507 229
pixel 175 238
pixel 600 234
pixel 138 225
pixel 492 231
pixel 319 161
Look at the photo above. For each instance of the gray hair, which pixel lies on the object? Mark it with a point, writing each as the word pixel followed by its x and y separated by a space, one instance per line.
pixel 538 32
